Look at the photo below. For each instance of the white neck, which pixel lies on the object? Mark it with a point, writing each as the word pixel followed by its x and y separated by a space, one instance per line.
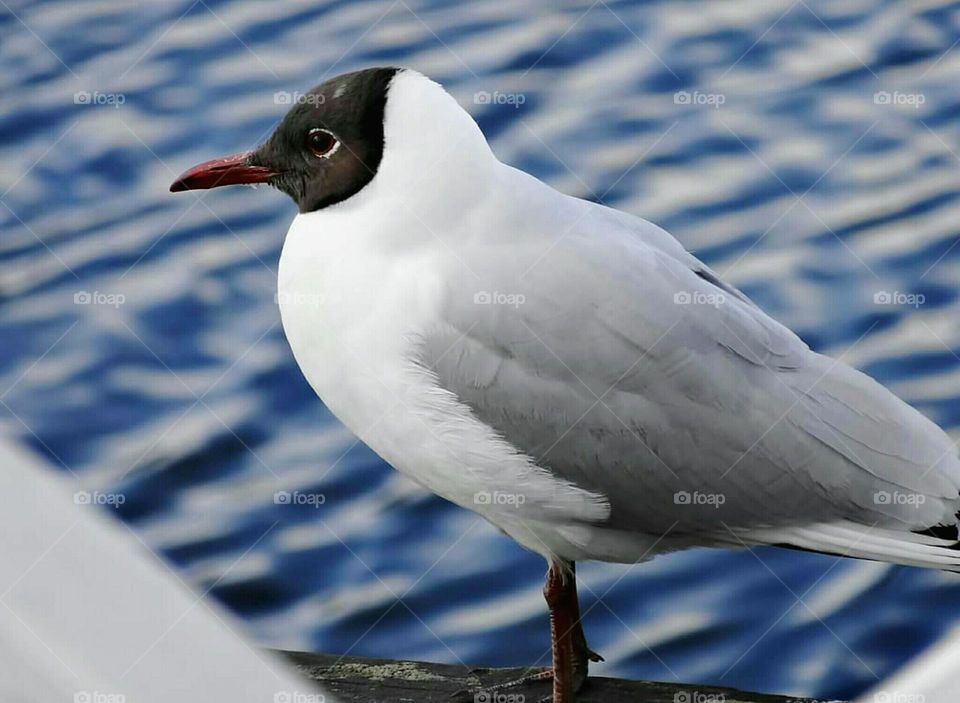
pixel 434 156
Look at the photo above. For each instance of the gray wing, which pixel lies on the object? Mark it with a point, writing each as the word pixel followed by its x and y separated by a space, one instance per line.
pixel 623 364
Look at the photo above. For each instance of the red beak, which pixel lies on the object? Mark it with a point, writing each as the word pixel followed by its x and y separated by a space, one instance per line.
pixel 227 171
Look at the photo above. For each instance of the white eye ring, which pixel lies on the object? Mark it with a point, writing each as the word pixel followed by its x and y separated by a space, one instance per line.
pixel 326 150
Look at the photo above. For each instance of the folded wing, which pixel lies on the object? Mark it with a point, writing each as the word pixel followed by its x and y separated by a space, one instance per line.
pixel 621 363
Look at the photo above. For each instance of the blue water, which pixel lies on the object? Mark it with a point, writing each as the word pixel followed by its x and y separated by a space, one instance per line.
pixel 175 388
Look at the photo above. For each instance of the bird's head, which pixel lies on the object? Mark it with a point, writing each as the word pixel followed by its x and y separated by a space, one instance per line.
pixel 331 142
pixel 327 148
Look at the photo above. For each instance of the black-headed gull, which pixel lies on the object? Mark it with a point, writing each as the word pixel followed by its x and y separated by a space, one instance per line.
pixel 569 371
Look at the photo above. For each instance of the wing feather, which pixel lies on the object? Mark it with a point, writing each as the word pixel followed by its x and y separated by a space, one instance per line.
pixel 627 367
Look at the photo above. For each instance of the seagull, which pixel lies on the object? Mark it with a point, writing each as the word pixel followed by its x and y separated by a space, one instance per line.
pixel 566 370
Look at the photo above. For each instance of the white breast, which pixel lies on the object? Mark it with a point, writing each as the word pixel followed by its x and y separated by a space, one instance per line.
pixel 353 308
pixel 350 312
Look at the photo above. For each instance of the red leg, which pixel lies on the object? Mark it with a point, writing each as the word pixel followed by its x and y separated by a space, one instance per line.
pixel 571 655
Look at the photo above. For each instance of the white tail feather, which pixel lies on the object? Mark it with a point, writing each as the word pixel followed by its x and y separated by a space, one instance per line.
pixel 851 539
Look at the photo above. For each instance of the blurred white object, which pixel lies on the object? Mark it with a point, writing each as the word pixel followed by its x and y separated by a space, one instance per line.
pixel 88 614
pixel 929 678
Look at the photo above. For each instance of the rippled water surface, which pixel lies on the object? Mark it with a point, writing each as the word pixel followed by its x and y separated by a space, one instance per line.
pixel 810 156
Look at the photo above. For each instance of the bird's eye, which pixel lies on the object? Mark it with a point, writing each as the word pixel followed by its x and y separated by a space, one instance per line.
pixel 321 143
